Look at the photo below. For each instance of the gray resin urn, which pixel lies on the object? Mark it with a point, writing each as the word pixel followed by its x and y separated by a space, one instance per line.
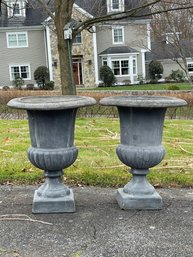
pixel 51 123
pixel 141 126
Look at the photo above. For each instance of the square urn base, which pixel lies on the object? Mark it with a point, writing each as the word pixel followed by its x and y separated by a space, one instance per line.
pixel 140 202
pixel 53 205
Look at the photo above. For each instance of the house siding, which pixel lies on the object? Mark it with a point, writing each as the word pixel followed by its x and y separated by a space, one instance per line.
pixel 34 54
pixel 135 36
pixel 168 66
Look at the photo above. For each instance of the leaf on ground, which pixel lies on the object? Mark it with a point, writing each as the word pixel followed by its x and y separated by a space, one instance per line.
pixel 6 139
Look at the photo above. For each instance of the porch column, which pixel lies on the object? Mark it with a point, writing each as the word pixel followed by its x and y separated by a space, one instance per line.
pixel 49 54
pixel 131 69
pixel 143 63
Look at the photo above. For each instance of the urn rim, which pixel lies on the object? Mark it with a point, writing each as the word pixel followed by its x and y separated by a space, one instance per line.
pixel 51 102
pixel 143 101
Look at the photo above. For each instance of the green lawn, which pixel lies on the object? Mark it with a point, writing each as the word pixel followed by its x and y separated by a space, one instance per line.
pixel 182 86
pixel 97 163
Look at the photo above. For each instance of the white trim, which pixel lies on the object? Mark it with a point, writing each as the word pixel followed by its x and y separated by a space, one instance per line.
pixel 149 36
pixel 118 55
pixel 19 65
pixel 120 67
pixel 131 69
pixel 129 58
pixel 77 7
pixel 16 33
pixel 49 52
pixel 21 29
pixel 123 35
pixel 22 8
pixel 143 64
pixel 96 70
pixel 110 6
pixel 177 35
pixel 190 62
pixel 80 61
pixel 136 65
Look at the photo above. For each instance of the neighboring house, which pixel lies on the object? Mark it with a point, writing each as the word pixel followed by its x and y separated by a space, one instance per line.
pixel 22 40
pixel 168 53
pixel 27 41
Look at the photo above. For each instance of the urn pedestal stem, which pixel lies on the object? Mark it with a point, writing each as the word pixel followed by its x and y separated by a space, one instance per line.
pixel 141 127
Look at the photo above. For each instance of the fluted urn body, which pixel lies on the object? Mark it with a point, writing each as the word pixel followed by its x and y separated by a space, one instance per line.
pixel 51 124
pixel 141 127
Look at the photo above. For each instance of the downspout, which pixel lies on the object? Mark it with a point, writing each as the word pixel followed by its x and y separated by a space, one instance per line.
pixel 49 53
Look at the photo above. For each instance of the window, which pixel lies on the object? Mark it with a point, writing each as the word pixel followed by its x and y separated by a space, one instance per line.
pixel 104 61
pixel 120 67
pixel 134 67
pixel 118 35
pixel 115 4
pixel 190 66
pixel 172 38
pixel 20 71
pixel 16 8
pixel 78 39
pixel 17 39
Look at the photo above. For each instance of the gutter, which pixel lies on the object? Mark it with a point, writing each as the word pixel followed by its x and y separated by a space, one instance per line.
pixel 22 28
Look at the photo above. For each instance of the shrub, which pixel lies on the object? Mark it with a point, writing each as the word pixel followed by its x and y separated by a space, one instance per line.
pixel 107 75
pixel 30 86
pixel 41 75
pixel 141 79
pixel 173 87
pixel 5 88
pixel 101 85
pixel 155 70
pixel 153 81
pixel 49 85
pixel 126 82
pixel 177 75
pixel 18 82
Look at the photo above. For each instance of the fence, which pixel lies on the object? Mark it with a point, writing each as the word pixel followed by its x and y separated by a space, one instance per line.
pixel 97 110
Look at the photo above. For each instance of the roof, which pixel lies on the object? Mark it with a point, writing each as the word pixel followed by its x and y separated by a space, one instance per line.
pixel 99 7
pixel 119 50
pixel 35 13
pixel 160 50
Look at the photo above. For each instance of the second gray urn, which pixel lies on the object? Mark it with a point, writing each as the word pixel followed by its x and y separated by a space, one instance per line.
pixel 51 124
pixel 141 127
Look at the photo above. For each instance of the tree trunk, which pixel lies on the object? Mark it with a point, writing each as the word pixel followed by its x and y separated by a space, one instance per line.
pixel 66 72
pixel 62 18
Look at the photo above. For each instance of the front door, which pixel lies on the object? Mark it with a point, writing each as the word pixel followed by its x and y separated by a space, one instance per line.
pixel 77 71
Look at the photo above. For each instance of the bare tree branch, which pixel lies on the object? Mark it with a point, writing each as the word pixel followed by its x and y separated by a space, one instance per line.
pixel 47 8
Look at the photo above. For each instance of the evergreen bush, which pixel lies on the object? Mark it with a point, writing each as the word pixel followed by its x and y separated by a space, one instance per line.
pixel 155 70
pixel 177 75
pixel 41 76
pixel 107 75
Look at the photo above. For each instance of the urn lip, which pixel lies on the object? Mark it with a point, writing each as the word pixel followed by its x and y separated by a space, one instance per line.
pixel 143 101
pixel 51 102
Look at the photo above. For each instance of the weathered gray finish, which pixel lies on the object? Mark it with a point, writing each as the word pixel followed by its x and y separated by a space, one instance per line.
pixel 141 125
pixel 51 123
